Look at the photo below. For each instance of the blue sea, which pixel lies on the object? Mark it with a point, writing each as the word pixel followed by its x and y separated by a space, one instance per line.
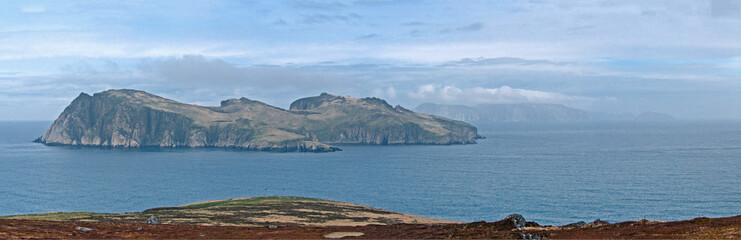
pixel 552 173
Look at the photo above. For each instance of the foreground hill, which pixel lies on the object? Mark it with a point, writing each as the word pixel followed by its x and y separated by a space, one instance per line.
pixel 305 218
pixel 131 118
pixel 530 112
pixel 258 211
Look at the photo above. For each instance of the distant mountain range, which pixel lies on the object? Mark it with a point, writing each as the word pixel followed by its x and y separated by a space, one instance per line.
pixel 530 112
pixel 131 118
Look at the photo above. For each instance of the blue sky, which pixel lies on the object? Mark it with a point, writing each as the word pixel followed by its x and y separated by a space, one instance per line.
pixel 678 57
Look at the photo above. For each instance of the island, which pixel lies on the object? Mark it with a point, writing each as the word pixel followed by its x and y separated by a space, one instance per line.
pixel 131 119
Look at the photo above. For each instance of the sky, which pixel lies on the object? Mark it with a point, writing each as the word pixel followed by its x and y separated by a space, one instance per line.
pixel 680 57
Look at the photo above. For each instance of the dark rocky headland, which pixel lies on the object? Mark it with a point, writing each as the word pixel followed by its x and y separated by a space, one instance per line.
pixel 131 119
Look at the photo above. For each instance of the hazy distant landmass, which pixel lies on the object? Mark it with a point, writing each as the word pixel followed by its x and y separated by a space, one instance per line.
pixel 131 118
pixel 530 112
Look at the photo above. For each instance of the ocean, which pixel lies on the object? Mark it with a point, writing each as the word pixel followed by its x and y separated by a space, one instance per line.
pixel 552 173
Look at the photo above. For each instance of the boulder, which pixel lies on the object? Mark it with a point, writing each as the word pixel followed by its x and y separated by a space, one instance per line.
pixel 597 223
pixel 153 220
pixel 531 236
pixel 518 220
pixel 576 224
pixel 532 224
pixel 84 229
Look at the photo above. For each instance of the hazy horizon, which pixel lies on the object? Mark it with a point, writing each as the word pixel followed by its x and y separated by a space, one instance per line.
pixel 682 58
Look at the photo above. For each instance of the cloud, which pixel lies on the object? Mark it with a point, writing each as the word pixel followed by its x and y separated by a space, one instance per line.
pixel 196 70
pixel 423 92
pixel 280 22
pixel 500 61
pixel 511 63
pixel 367 36
pixel 725 8
pixel 328 18
pixel 504 94
pixel 33 9
pixel 468 28
pixel 318 5
pixel 51 44
pixel 580 28
pixel 387 93
pixel 414 23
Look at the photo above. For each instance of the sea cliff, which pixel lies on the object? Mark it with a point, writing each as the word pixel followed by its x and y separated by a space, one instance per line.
pixel 131 118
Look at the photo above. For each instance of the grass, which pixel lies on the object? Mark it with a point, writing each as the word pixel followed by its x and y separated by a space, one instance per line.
pixel 256 211
pixel 55 216
pixel 247 201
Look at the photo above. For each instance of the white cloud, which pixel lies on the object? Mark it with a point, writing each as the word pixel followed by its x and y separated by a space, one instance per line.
pixel 504 94
pixel 387 93
pixel 423 92
pixel 33 9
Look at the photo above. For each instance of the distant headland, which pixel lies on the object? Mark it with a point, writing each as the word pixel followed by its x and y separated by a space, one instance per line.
pixel 131 118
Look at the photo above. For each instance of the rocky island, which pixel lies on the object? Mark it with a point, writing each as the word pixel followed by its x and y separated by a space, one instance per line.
pixel 131 118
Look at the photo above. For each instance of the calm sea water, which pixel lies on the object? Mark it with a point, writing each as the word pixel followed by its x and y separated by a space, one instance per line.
pixel 550 173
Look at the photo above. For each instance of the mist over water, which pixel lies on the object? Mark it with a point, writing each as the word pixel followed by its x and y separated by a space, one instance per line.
pixel 552 173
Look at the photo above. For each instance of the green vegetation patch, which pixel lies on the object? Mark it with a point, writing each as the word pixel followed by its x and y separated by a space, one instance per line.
pixel 234 202
pixel 56 216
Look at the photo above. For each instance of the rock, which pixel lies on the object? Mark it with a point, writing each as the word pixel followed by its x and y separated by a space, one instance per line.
pixel 139 229
pixel 532 224
pixel 272 226
pixel 597 223
pixel 153 220
pixel 518 220
pixel 530 236
pixel 576 224
pixel 84 229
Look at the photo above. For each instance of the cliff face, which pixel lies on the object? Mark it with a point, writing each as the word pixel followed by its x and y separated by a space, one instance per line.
pixel 342 119
pixel 129 118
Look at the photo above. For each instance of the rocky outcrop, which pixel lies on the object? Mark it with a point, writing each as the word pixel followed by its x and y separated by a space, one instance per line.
pixel 518 221
pixel 130 118
pixel 153 220
pixel 314 102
